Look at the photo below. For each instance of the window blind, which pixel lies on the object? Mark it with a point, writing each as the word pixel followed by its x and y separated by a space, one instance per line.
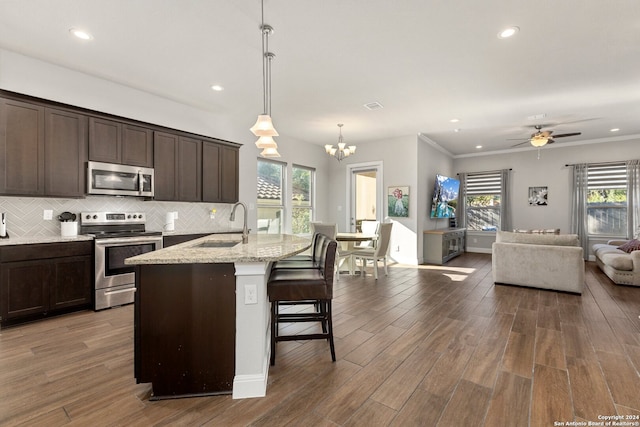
pixel 483 183
pixel 609 176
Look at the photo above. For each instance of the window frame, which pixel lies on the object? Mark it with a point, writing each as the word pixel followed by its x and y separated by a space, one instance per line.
pixel 282 206
pixel 312 194
pixel 487 183
pixel 607 176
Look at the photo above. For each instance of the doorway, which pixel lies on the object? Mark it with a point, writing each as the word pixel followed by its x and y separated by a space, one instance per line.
pixel 365 194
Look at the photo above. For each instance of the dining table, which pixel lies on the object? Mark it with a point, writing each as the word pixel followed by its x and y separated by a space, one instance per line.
pixel 350 239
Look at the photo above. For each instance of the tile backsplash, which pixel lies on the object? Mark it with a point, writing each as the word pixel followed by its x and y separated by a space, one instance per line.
pixel 25 214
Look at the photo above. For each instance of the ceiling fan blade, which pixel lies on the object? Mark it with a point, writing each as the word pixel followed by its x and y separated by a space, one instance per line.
pixel 522 143
pixel 546 133
pixel 562 135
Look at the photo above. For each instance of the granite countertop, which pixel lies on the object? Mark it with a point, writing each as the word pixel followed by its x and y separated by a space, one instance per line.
pixel 42 239
pixel 261 248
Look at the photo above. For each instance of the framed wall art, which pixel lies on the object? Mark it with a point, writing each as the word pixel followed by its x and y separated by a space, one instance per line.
pixel 538 196
pixel 398 201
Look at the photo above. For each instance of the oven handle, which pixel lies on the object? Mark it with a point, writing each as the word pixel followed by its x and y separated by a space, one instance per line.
pixel 120 291
pixel 111 242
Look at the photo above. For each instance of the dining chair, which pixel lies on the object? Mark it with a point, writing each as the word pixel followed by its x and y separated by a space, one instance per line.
pixel 379 253
pixel 367 227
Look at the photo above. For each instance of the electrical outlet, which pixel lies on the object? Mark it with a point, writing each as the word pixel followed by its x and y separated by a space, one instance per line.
pixel 398 248
pixel 48 214
pixel 212 214
pixel 250 294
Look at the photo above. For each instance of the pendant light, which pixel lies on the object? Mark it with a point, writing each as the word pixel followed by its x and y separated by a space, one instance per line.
pixel 263 128
pixel 342 151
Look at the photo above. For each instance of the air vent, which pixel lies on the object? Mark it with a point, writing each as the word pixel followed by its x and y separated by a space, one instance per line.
pixel 373 106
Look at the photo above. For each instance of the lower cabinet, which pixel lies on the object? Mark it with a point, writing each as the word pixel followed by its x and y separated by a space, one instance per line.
pixel 442 245
pixel 44 279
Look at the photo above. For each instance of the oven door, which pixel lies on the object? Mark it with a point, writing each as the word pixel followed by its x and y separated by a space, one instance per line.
pixel 114 280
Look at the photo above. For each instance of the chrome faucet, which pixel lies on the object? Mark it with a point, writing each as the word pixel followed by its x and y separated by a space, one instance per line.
pixel 245 231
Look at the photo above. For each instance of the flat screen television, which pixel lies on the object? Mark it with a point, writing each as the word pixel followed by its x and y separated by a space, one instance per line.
pixel 445 197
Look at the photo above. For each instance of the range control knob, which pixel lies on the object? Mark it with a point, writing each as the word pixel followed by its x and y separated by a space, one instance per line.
pixel 128 216
pixel 88 217
pixel 140 216
pixel 95 217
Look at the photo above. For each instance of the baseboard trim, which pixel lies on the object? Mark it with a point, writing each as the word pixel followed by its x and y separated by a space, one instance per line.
pixel 479 250
pixel 253 385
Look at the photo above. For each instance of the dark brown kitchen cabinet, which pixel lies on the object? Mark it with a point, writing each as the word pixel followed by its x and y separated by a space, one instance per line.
pixel 219 173
pixel 165 160
pixel 117 142
pixel 229 172
pixel 178 167
pixel 44 150
pixel 65 153
pixel 189 169
pixel 21 148
pixel 40 280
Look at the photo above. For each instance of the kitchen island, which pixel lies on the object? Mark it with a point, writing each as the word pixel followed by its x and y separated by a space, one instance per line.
pixel 202 314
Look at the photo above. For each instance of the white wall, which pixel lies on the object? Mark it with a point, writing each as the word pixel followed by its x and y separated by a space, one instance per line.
pixel 409 160
pixel 549 170
pixel 431 161
pixel 22 74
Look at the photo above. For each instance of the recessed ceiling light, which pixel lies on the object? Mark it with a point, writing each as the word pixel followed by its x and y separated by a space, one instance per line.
pixel 81 34
pixel 508 32
pixel 478 146
pixel 614 130
pixel 454 120
pixel 217 88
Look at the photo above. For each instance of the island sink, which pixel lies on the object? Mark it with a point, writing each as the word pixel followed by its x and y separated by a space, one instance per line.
pixel 216 244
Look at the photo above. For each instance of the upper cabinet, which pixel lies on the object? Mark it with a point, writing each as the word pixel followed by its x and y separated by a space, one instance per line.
pixel 219 173
pixel 116 142
pixel 193 170
pixel 65 153
pixel 43 150
pixel 178 167
pixel 45 146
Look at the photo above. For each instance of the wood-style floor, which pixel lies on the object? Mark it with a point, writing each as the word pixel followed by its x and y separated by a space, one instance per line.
pixel 423 346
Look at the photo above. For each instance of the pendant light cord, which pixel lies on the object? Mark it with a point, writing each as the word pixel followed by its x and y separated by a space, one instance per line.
pixel 265 43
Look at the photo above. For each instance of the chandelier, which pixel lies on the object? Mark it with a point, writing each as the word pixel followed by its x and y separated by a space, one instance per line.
pixel 263 128
pixel 342 150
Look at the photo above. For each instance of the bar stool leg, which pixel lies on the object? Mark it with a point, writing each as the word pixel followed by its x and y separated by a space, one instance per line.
pixel 274 329
pixel 330 327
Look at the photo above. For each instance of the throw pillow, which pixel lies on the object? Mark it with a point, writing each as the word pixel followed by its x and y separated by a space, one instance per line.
pixel 630 246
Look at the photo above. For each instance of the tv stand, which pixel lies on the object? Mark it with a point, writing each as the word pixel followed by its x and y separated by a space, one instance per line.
pixel 442 245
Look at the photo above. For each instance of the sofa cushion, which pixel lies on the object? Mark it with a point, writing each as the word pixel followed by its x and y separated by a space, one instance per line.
pixel 538 239
pixel 616 259
pixel 630 246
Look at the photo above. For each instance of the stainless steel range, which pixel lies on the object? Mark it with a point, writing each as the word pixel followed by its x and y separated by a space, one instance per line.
pixel 117 236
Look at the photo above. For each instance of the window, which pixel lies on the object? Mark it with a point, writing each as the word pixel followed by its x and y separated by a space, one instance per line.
pixel 607 199
pixel 270 201
pixel 302 185
pixel 482 196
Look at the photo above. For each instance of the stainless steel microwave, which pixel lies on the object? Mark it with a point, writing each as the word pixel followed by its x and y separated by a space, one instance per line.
pixel 119 180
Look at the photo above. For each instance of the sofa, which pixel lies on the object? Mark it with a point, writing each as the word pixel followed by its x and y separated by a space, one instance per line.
pixel 622 267
pixel 546 261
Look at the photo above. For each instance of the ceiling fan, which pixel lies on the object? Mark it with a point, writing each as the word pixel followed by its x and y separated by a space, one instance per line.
pixel 541 137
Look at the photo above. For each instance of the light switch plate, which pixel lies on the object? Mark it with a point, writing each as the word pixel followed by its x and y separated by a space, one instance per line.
pixel 48 214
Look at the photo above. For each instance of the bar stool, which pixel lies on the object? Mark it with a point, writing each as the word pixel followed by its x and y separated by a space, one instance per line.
pixel 302 286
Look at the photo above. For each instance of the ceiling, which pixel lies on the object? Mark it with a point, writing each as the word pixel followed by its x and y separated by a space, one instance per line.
pixel 576 63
